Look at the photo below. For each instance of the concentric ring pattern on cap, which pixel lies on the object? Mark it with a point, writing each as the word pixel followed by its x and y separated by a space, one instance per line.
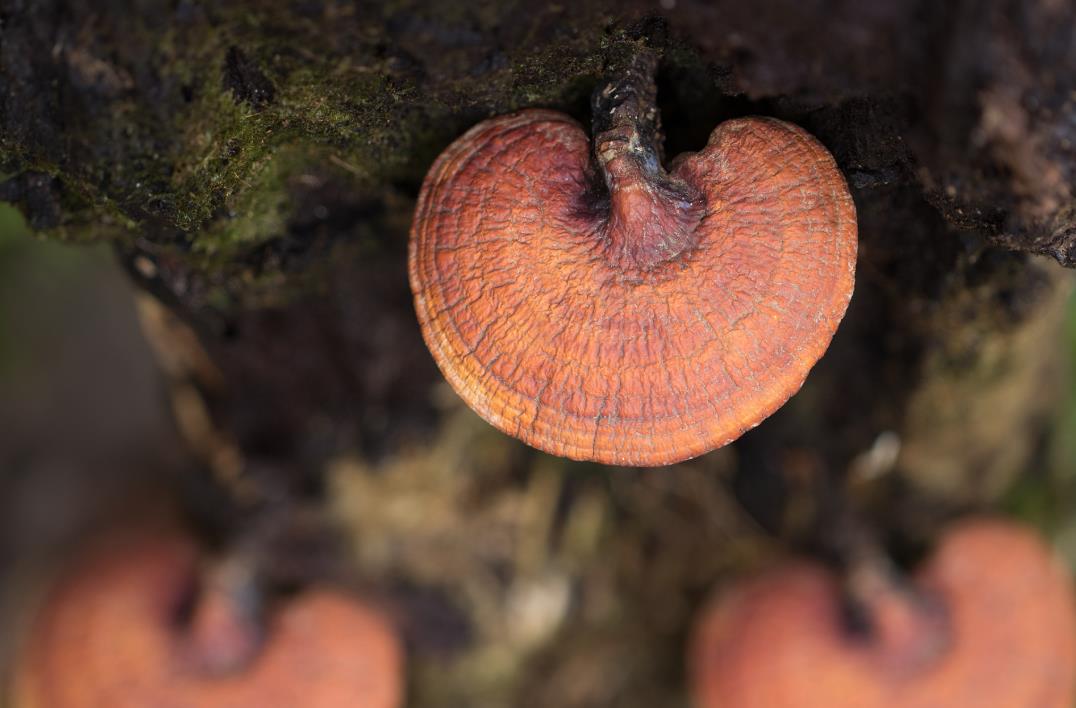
pixel 553 343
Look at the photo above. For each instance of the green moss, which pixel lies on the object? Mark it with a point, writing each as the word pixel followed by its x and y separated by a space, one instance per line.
pixel 196 165
pixel 230 178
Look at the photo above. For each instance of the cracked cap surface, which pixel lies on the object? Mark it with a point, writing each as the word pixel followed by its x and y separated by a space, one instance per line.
pixel 543 328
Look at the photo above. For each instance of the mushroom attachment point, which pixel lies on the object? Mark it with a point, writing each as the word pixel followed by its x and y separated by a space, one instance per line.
pixel 988 623
pixel 598 305
pixel 131 626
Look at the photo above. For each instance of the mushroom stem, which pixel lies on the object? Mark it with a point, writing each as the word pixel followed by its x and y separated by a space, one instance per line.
pixel 907 629
pixel 224 632
pixel 652 215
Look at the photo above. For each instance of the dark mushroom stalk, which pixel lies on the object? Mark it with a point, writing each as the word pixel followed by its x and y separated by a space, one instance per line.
pixel 225 627
pixel 905 627
pixel 652 215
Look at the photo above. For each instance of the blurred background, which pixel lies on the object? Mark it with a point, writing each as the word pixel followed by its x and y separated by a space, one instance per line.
pixel 88 428
pixel 84 419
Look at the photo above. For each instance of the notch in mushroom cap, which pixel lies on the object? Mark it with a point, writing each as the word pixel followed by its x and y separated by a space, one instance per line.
pixel 600 307
pixel 989 623
pixel 118 632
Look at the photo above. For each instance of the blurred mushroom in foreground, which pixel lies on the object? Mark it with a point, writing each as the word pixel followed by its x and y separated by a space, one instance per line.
pixel 133 625
pixel 586 300
pixel 988 623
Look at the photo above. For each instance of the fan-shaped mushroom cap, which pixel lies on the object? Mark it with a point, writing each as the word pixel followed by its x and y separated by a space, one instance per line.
pixel 111 634
pixel 641 320
pixel 1008 639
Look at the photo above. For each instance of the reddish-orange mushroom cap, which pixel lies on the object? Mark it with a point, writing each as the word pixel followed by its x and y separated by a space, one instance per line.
pixel 112 634
pixel 1008 639
pixel 601 308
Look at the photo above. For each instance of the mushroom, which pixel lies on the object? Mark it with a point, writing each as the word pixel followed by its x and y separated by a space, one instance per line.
pixel 600 307
pixel 129 628
pixel 988 623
